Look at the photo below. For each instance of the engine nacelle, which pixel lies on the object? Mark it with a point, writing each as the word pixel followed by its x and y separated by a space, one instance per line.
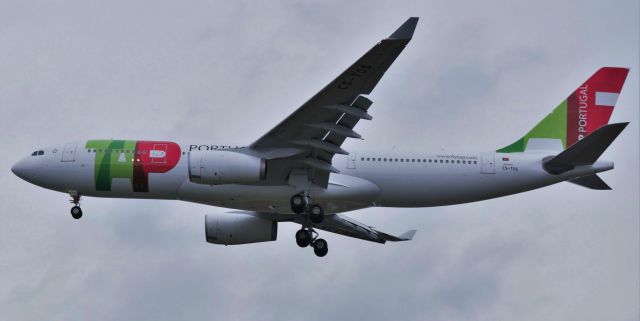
pixel 217 167
pixel 238 228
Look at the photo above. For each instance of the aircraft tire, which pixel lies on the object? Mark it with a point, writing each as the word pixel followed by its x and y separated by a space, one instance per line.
pixel 298 203
pixel 316 214
pixel 76 212
pixel 303 238
pixel 320 247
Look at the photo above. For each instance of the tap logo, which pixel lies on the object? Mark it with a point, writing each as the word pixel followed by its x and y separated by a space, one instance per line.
pixel 131 159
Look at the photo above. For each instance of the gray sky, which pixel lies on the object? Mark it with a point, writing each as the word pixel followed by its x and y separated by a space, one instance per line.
pixel 476 76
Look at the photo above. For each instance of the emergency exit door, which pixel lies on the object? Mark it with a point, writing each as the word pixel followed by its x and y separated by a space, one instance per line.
pixel 351 161
pixel 488 163
pixel 69 152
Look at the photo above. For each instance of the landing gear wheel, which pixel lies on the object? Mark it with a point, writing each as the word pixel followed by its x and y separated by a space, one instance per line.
pixel 320 247
pixel 303 237
pixel 316 214
pixel 298 203
pixel 76 212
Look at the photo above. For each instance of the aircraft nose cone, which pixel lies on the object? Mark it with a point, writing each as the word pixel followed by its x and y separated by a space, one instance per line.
pixel 19 169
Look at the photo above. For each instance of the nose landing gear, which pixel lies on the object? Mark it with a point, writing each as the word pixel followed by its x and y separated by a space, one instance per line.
pixel 76 211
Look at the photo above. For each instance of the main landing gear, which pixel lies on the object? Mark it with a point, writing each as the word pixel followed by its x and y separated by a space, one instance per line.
pixel 304 238
pixel 300 204
pixel 314 214
pixel 76 211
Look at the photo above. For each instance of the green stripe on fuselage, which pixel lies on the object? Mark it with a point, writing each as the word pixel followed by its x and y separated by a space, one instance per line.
pixel 114 159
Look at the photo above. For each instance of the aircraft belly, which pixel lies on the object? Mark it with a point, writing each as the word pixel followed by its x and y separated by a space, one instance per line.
pixel 344 193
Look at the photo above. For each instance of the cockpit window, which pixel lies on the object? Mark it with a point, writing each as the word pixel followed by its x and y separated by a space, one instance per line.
pixel 34 153
pixel 40 152
pixel 37 153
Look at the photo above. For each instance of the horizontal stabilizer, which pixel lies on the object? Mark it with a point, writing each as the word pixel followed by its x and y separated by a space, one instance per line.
pixel 585 151
pixel 592 182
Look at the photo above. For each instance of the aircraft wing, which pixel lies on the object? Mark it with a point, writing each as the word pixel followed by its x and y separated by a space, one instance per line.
pixel 339 224
pixel 308 138
pixel 347 226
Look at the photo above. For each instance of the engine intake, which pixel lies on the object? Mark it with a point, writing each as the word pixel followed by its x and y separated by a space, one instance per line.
pixel 217 167
pixel 238 228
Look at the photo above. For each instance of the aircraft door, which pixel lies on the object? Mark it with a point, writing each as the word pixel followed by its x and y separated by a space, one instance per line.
pixel 69 152
pixel 158 154
pixel 351 161
pixel 488 163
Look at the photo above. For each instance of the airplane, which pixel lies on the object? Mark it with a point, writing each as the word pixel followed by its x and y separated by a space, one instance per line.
pixel 298 172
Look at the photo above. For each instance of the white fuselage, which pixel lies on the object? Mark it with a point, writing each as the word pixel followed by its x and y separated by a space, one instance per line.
pixel 366 179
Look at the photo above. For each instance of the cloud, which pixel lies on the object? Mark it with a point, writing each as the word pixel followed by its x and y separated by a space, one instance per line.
pixel 475 76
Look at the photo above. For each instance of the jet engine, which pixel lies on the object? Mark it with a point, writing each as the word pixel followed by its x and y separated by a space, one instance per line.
pixel 216 167
pixel 238 228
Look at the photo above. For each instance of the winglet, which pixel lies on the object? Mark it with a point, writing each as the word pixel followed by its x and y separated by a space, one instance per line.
pixel 406 30
pixel 408 235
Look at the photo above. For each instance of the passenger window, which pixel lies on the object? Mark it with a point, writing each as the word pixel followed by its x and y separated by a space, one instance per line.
pixel 475 162
pixel 458 161
pixel 384 159
pixel 441 161
pixel 362 159
pixel 464 162
pixel 379 159
pixel 429 161
pixel 396 160
pixel 402 160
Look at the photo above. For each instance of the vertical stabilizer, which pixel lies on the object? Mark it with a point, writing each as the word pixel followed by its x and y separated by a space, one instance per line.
pixel 586 109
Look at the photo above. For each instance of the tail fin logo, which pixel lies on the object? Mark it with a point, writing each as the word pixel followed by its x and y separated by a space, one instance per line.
pixel 586 109
pixel 582 111
pixel 591 105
